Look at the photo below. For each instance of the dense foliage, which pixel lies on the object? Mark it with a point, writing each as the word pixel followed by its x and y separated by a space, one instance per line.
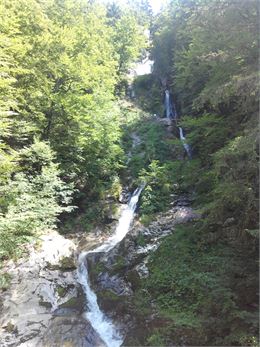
pixel 64 140
pixel 60 64
pixel 208 291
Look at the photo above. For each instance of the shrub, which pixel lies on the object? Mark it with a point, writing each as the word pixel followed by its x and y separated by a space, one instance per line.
pixel 33 200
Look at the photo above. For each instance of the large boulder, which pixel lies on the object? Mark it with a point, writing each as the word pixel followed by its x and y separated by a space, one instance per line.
pixel 71 332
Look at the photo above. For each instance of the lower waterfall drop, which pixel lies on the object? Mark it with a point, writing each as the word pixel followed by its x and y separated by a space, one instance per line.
pixel 103 326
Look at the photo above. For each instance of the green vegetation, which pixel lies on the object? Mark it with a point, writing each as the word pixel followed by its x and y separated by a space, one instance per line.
pixel 204 278
pixel 61 64
pixel 65 136
pixel 5 280
pixel 199 290
pixel 32 198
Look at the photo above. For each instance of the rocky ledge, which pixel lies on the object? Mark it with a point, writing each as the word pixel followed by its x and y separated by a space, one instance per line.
pixel 44 304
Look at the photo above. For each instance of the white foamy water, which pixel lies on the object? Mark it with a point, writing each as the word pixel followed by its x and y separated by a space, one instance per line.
pixel 103 326
pixel 168 105
pixel 185 144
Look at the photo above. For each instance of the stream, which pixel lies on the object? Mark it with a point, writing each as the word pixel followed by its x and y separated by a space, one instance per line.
pixel 102 325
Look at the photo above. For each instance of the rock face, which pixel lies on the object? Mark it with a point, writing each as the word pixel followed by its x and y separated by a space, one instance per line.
pixel 71 332
pixel 44 297
pixel 117 275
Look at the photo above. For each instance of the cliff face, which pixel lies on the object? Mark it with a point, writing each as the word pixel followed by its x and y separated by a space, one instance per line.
pixel 44 302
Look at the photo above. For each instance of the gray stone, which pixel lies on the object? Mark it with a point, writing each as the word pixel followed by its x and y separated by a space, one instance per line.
pixel 71 332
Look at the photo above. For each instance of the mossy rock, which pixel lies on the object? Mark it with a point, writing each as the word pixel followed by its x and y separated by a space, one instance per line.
pixel 110 302
pixel 119 265
pixel 62 291
pixel 67 264
pixel 74 304
pixel 70 303
pixel 109 294
pixel 98 268
pixel 5 281
pixel 11 328
pixel 134 278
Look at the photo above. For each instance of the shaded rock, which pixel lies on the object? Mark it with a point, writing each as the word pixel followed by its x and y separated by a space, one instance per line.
pixel 65 311
pixel 114 283
pixel 124 196
pixel 71 332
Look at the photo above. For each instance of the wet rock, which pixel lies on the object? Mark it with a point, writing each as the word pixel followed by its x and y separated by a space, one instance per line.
pixel 89 241
pixel 124 196
pixel 71 332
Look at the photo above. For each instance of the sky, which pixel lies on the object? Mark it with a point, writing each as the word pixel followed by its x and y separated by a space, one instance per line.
pixel 156 5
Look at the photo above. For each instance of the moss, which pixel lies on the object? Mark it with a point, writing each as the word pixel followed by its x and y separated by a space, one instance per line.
pixel 119 264
pixel 11 328
pixel 109 294
pixel 67 264
pixel 146 219
pixel 140 240
pixel 71 303
pixel 61 291
pixel 142 302
pixel 134 279
pixel 156 339
pixel 5 281
pixel 98 268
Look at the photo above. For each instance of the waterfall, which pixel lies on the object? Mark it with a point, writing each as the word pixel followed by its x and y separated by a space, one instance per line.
pixel 185 144
pixel 168 105
pixel 171 113
pixel 103 326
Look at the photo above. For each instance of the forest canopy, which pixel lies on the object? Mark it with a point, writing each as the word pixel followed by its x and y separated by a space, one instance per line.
pixel 61 62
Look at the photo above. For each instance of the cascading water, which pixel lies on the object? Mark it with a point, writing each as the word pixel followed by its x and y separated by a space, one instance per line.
pixel 168 105
pixel 103 326
pixel 185 144
pixel 171 113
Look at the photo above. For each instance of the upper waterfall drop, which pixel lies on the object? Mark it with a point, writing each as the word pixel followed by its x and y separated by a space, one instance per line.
pixel 171 114
pixel 168 105
pixel 103 326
